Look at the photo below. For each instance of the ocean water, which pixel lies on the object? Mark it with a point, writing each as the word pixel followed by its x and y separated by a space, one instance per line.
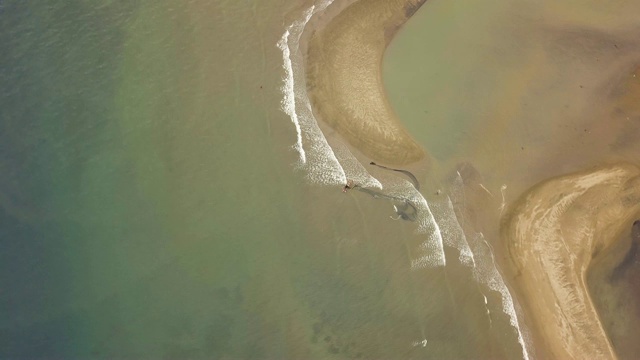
pixel 154 203
pixel 144 188
pixel 166 193
pixel 425 252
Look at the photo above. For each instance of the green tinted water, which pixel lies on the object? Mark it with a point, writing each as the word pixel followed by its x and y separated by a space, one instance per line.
pixel 150 209
pixel 135 160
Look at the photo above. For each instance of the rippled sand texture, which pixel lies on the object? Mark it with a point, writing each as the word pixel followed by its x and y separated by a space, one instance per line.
pixel 552 235
pixel 550 88
pixel 345 84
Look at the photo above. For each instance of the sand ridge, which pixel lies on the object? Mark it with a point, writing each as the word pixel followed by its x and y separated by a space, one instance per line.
pixel 552 234
pixel 344 81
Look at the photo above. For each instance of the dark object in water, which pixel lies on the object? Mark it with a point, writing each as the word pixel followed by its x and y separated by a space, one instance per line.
pixel 414 180
pixel 405 209
pixel 630 257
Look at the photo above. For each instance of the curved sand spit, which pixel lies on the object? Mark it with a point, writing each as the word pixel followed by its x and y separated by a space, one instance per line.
pixel 552 235
pixel 344 78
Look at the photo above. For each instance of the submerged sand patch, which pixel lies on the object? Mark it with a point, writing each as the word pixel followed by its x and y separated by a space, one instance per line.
pixel 344 79
pixel 552 235
pixel 557 227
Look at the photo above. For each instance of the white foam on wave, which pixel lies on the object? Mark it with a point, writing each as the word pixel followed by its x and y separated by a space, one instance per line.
pixel 329 165
pixel 433 245
pixel 452 232
pixel 315 155
pixel 332 166
pixel 432 250
pixel 289 101
pixel 353 168
pixel 475 254
pixel 488 273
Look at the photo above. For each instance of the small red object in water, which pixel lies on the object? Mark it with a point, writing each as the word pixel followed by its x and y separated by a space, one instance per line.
pixel 348 186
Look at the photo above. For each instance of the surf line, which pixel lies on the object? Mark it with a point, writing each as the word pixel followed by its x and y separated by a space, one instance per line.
pixel 410 205
pixel 319 160
pixel 484 272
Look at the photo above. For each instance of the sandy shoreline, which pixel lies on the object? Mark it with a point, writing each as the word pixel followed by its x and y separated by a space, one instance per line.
pixel 344 80
pixel 553 233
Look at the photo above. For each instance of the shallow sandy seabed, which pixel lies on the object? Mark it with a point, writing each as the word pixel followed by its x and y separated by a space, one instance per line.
pixel 554 231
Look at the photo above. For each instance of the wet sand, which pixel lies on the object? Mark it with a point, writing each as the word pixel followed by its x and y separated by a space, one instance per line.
pixel 344 81
pixel 552 235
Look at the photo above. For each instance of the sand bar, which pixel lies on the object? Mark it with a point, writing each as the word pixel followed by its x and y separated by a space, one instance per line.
pixel 344 80
pixel 552 234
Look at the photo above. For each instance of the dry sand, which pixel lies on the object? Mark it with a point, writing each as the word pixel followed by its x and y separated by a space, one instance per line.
pixel 344 80
pixel 552 235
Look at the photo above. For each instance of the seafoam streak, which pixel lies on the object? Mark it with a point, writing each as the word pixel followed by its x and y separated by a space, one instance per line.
pixel 315 154
pixel 432 250
pixel 333 166
pixel 478 255
pixel 289 100
pixel 353 168
pixel 452 232
pixel 488 273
